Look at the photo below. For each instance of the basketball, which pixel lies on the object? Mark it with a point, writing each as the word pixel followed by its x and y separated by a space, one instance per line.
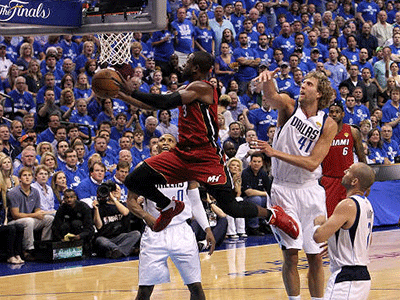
pixel 103 84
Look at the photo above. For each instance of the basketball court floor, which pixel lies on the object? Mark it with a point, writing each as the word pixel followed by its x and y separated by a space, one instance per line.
pixel 237 271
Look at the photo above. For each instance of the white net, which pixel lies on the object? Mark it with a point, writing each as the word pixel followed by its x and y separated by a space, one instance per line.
pixel 115 47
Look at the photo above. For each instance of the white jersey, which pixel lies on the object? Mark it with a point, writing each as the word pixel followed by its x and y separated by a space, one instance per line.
pixel 174 192
pixel 297 136
pixel 350 247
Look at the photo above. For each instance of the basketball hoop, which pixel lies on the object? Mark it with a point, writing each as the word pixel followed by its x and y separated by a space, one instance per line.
pixel 115 48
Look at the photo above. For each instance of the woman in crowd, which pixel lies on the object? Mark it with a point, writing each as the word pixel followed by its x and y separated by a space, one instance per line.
pixel 375 145
pixel 223 103
pixel 107 113
pixel 43 147
pixel 394 72
pixel 9 82
pixel 7 179
pixel 82 88
pixel 223 129
pixel 384 96
pixel 50 161
pixel 68 81
pixel 90 69
pixel 26 55
pixel 157 79
pixel 236 226
pixel 59 185
pixel 222 66
pixel 204 36
pixel 227 37
pixel 67 102
pixel 33 77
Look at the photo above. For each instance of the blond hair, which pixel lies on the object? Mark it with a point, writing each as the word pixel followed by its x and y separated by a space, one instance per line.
pixel 323 87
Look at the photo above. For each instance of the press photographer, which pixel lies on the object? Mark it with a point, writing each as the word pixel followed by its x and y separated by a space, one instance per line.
pixel 112 220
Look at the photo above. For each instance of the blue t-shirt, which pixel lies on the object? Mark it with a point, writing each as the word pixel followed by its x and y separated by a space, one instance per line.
pixel 262 120
pixel 245 73
pixel 185 31
pixel 204 37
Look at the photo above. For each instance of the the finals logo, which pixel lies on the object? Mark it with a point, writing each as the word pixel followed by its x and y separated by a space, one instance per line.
pixel 22 9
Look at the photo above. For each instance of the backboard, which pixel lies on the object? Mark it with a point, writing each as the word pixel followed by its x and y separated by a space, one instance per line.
pixel 151 16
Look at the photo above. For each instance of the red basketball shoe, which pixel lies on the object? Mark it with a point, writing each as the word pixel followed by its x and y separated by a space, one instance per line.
pixel 166 216
pixel 284 222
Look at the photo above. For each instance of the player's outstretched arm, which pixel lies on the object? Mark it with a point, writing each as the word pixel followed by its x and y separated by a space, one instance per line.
pixel 282 102
pixel 343 216
pixel 197 90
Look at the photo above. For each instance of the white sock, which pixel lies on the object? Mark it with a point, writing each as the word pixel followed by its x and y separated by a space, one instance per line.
pixel 295 297
pixel 316 298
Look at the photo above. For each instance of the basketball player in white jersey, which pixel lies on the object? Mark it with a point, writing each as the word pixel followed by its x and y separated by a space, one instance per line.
pixel 349 230
pixel 177 240
pixel 302 139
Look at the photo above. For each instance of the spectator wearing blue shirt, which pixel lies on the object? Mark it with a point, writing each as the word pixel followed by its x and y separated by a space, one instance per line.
pixel 350 115
pixel 360 108
pixel 74 174
pixel 70 48
pixel 284 80
pixel 260 119
pixel 252 36
pixel 313 43
pixel 150 130
pixel 87 53
pixel 162 43
pixel 285 41
pixel 138 59
pixel 351 52
pixel 119 177
pixel 21 100
pixel 87 189
pixel 391 113
pixel 183 31
pixel 265 53
pixel 363 63
pixel 237 16
pixel 389 145
pixel 337 70
pixel 248 62
pixel 204 36
pixel 51 67
pixel 375 145
pixel 222 65
pixel 294 90
pixel 119 128
pixel 108 157
pixel 11 51
pixel 49 82
pixel 367 10
pixel 82 88
pixel 79 115
pixel 138 74
pixel 139 151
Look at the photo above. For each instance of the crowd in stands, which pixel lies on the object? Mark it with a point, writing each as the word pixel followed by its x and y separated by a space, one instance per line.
pixel 59 142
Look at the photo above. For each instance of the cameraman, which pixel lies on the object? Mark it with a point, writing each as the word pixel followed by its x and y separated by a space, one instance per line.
pixel 111 218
